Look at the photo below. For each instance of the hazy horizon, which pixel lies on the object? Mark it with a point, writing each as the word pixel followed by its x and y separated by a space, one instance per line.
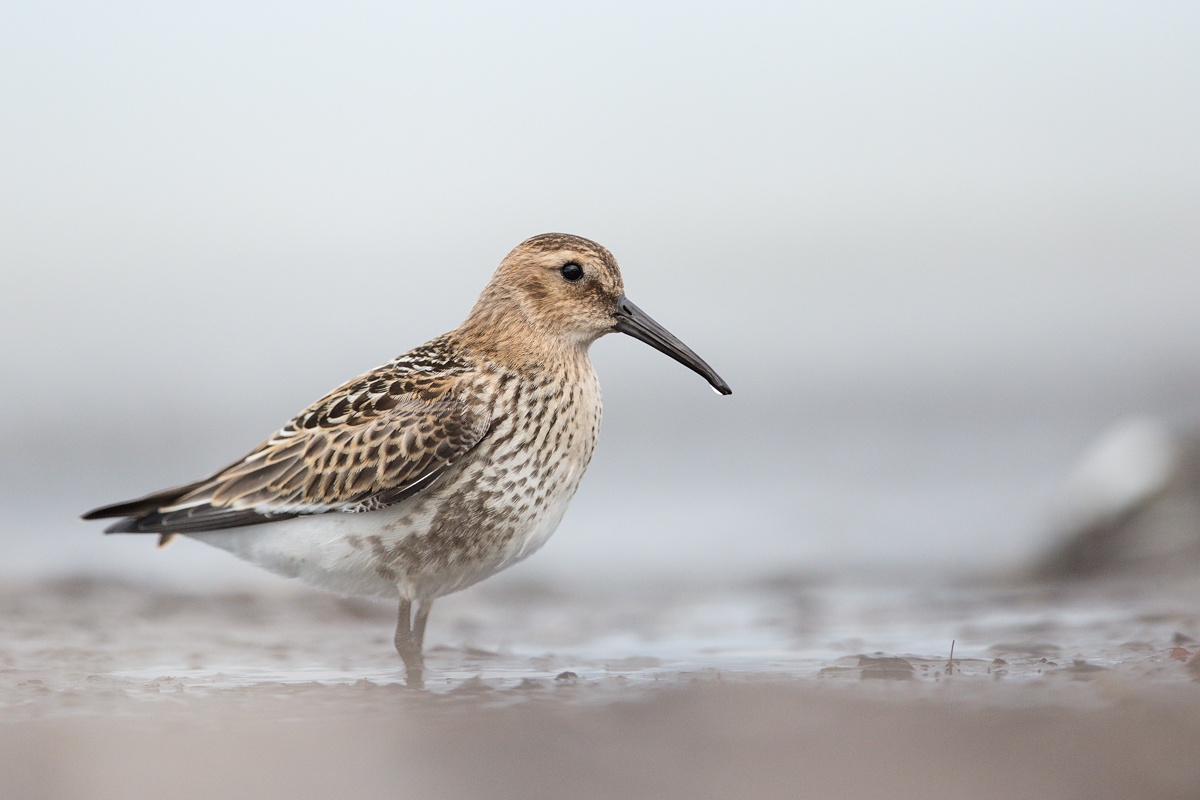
pixel 933 249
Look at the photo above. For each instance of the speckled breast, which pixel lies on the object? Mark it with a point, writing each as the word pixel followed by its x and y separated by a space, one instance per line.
pixel 504 501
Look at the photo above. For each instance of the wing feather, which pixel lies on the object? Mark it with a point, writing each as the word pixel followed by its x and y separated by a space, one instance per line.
pixel 368 444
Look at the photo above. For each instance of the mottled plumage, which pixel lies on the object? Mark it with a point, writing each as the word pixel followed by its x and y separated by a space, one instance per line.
pixel 441 467
pixel 366 445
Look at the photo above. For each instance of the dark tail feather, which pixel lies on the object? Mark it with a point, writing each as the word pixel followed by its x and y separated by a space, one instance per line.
pixel 127 525
pixel 138 508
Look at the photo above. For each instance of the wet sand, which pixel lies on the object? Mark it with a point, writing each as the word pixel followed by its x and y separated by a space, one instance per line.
pixel 785 688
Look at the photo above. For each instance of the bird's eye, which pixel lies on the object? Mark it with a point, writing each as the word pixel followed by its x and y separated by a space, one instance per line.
pixel 571 271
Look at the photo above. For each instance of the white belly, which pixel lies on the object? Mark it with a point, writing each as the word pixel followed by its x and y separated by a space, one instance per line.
pixel 316 549
pixel 362 554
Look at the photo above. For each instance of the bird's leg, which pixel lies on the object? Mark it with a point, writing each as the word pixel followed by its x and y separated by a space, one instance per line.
pixel 408 642
pixel 422 616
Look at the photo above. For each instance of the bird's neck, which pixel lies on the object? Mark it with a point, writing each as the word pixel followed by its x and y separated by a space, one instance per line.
pixel 505 332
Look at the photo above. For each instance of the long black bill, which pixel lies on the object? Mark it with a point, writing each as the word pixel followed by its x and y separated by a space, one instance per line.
pixel 638 324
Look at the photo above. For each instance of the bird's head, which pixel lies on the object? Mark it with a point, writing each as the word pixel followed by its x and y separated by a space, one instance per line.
pixel 569 291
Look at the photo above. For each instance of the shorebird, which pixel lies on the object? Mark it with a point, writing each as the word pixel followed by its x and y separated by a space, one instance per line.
pixel 439 468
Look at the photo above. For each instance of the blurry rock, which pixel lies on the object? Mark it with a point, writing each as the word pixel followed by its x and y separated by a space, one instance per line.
pixel 1131 506
pixel 888 668
pixel 1082 667
pixel 472 685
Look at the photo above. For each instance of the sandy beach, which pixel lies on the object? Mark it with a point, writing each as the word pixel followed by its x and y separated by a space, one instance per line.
pixel 808 687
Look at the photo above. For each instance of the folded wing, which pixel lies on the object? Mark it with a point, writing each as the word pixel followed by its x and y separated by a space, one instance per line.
pixel 367 445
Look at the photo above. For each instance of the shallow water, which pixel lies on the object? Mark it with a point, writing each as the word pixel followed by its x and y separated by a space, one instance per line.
pixel 774 688
pixel 73 637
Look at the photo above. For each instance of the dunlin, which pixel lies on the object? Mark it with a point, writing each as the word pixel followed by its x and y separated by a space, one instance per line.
pixel 441 467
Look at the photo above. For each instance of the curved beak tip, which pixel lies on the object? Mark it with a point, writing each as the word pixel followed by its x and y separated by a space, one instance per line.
pixel 634 322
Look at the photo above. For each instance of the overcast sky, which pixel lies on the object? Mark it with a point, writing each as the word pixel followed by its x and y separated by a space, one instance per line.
pixel 210 213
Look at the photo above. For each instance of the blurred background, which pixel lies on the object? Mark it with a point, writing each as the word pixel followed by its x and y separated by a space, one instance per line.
pixel 935 249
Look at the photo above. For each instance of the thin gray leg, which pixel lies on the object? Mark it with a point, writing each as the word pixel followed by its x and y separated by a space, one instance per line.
pixel 408 644
pixel 423 607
